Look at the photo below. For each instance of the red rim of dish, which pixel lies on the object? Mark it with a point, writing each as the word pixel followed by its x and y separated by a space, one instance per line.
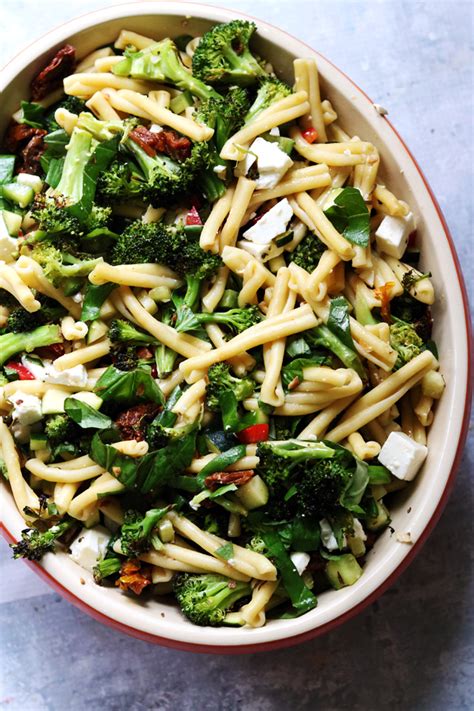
pixel 415 549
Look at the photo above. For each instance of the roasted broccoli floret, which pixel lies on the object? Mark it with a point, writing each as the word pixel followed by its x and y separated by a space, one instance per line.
pixel 142 243
pixel 161 62
pixel 20 320
pixel 320 486
pixel 34 543
pixel 206 599
pixel 308 253
pixel 105 569
pixel 405 340
pixel 271 90
pixel 158 435
pixel 121 331
pixel 220 380
pixel 60 428
pixel 7 299
pixel 124 357
pixel 12 343
pixel 237 320
pixel 122 181
pixel 225 116
pixel 61 225
pixel 137 530
pixel 223 55
pixel 408 309
pixel 257 544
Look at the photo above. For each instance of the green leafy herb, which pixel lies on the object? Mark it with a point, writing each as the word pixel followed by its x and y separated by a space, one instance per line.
pixel 32 114
pixel 85 415
pixel 128 387
pixel 94 297
pixel 378 474
pixel 350 216
pixel 301 596
pixel 355 488
pixel 7 166
pixel 295 368
pixel 338 321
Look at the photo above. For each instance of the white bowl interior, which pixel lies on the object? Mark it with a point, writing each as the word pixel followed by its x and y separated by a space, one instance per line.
pixel 413 509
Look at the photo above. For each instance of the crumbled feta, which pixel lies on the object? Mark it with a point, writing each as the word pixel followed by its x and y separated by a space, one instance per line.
pixel 220 171
pixel 76 376
pixel 402 456
pixel 405 537
pixel 327 535
pixel 272 163
pixel 154 128
pixel 78 298
pixel 275 131
pixel 262 252
pixel 26 408
pixel 272 224
pixel 392 234
pixel 37 369
pixel 90 547
pixel 300 560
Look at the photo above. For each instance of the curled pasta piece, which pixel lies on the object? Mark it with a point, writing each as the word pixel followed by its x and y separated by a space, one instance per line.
pixel 87 83
pixel 175 557
pixel 83 355
pixel 295 181
pixel 362 449
pixel 128 38
pixel 81 504
pixel 147 276
pixel 433 384
pixel 365 174
pixel 325 229
pixel 66 119
pixel 131 448
pixel 422 289
pixel 73 330
pixel 100 105
pixel 385 277
pixel 332 154
pixel 240 201
pixel 161 97
pixel 253 613
pixel 89 59
pixel 389 203
pixel 238 260
pixel 423 410
pixel 241 363
pixel 11 282
pixel 63 494
pixel 318 284
pixel 411 425
pixel 216 290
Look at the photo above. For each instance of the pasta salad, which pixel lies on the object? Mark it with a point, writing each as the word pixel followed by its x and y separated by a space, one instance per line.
pixel 215 350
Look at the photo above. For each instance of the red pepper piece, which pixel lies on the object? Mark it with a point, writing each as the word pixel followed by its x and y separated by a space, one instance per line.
pixel 23 373
pixel 253 434
pixel 192 218
pixel 310 134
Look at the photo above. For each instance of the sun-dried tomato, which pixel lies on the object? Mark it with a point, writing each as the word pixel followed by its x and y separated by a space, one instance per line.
pixel 134 576
pixel 27 141
pixel 53 351
pixel 132 422
pixel 213 481
pixel 31 156
pixel 166 141
pixel 51 76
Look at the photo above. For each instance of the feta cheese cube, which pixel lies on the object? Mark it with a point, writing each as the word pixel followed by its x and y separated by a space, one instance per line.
pixel 272 224
pixel 76 376
pixel 392 234
pixel 327 535
pixel 300 560
pixel 262 252
pixel 272 163
pixel 402 455
pixel 90 547
pixel 26 408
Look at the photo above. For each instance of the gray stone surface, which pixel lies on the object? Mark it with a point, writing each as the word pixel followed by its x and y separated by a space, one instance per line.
pixel 413 649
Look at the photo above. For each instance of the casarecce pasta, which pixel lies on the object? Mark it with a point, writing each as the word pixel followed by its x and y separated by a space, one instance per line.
pixel 216 355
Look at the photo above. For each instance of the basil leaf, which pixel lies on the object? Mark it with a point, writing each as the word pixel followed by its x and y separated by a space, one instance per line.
pixel 222 490
pixel 7 166
pixel 350 216
pixel 295 368
pixel 338 321
pixel 232 420
pixel 305 534
pixel 297 346
pixel 54 172
pixel 163 465
pixel 94 297
pixel 226 552
pixel 128 387
pixel 378 474
pixel 222 461
pixel 32 114
pixel 123 468
pixel 301 596
pixel 355 488
pixel 323 336
pixel 85 415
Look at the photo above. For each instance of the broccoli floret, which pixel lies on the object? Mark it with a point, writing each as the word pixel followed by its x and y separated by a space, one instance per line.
pixel 223 55
pixel 271 90
pixel 121 331
pixel 279 460
pixel 60 428
pixel 59 265
pixel 220 380
pixel 137 530
pixel 141 243
pixel 308 253
pixel 408 309
pixel 121 181
pixel 158 435
pixel 237 320
pixel 320 487
pixel 161 62
pixel 12 343
pixel 106 568
pixel 225 116
pixel 60 224
pixel 405 340
pixel 20 319
pixel 34 543
pixel 257 544
pixel 124 357
pixel 206 599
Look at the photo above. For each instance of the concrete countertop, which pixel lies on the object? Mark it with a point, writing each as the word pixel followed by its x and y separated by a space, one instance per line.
pixel 414 648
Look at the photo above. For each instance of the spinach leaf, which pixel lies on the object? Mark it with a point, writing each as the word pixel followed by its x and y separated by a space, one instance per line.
pixel 350 216
pixel 97 163
pixel 305 534
pixel 300 595
pixel 32 114
pixel 7 166
pixel 94 297
pixel 338 321
pixel 294 369
pixel 128 387
pixel 378 474
pixel 55 170
pixel 355 488
pixel 85 415
pixel 53 157
pixel 222 461
pixel 297 346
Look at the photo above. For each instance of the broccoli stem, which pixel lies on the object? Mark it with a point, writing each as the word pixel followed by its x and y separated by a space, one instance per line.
pixel 34 543
pixel 150 163
pixel 105 568
pixel 165 358
pixel 79 150
pixel 11 343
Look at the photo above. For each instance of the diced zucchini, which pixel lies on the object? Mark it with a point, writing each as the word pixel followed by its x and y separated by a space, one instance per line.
pixel 181 102
pixel 343 571
pixel 284 238
pixel 381 520
pixel 229 299
pixel 254 493
pixel 165 531
pixel 53 401
pixel 97 329
pixel 12 222
pixel 38 441
pixel 20 194
pixel 285 144
pixel 33 181
pixel 357 545
pixel 89 398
